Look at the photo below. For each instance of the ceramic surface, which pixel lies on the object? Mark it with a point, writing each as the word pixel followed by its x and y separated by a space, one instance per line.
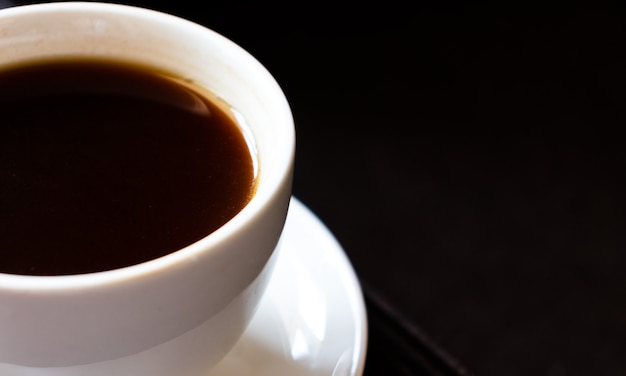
pixel 312 319
pixel 145 318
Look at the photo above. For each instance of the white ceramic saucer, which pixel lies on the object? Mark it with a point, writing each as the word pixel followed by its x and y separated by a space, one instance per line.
pixel 312 320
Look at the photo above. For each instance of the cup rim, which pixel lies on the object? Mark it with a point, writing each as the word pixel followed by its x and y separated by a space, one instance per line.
pixel 266 190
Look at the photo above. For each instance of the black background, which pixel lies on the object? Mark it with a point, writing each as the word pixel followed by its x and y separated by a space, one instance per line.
pixel 469 158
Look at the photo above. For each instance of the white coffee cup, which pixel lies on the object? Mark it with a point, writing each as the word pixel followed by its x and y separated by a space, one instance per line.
pixel 181 313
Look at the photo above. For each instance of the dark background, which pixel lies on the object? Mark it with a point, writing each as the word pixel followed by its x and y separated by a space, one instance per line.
pixel 469 158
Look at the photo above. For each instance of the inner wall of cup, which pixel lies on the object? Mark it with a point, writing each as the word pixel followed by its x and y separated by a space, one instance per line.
pixel 184 49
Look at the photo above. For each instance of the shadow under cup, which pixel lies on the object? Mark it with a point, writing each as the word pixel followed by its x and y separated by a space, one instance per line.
pixel 181 313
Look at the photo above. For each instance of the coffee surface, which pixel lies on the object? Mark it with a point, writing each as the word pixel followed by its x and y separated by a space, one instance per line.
pixel 105 165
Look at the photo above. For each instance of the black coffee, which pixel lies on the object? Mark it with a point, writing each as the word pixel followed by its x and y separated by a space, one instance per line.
pixel 105 165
